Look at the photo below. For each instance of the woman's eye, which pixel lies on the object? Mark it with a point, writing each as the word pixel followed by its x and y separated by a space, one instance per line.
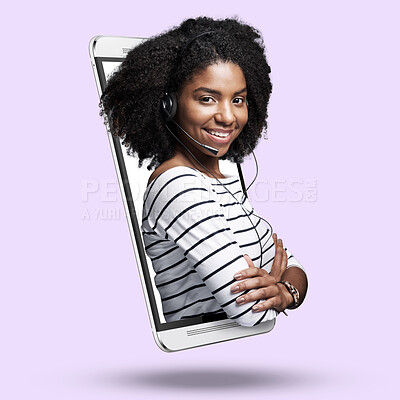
pixel 238 100
pixel 206 99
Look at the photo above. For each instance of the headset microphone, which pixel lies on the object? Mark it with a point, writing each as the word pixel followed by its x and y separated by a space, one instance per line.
pixel 212 150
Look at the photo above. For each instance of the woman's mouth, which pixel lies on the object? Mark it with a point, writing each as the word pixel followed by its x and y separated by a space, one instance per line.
pixel 219 135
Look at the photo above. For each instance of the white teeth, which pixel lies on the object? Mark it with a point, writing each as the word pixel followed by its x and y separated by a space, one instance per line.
pixel 219 134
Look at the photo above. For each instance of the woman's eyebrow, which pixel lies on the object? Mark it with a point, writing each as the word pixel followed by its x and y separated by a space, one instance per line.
pixel 208 90
pixel 241 91
pixel 217 92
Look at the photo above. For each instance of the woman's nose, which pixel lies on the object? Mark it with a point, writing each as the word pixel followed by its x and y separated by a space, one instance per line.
pixel 225 114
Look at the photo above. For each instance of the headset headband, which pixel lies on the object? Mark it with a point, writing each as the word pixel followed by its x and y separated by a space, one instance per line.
pixel 193 39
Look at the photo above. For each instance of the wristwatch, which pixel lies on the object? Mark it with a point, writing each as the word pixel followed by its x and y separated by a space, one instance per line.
pixel 294 292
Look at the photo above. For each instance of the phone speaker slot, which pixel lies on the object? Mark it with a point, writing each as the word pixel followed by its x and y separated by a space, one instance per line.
pixel 212 329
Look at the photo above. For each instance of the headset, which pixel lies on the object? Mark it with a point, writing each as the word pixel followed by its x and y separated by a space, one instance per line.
pixel 169 106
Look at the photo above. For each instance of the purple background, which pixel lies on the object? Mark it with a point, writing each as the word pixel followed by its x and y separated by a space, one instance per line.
pixel 73 319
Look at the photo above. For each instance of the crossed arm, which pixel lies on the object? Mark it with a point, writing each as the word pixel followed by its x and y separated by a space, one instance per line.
pixel 267 285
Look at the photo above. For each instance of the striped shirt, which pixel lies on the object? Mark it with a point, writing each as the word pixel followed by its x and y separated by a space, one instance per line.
pixel 196 234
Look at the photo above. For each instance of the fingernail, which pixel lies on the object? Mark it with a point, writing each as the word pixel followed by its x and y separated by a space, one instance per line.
pixel 238 276
pixel 256 308
pixel 240 300
pixel 235 289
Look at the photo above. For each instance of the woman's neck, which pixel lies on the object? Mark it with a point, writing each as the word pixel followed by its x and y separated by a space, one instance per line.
pixel 209 163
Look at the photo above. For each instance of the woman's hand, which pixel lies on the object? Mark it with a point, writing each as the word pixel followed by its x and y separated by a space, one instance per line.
pixel 276 295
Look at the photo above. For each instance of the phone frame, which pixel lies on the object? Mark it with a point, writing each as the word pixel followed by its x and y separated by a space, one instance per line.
pixel 169 336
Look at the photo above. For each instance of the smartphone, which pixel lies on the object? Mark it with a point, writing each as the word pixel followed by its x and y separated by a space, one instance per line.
pixel 106 54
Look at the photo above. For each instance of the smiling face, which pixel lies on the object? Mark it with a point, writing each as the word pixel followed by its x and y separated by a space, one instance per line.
pixel 212 108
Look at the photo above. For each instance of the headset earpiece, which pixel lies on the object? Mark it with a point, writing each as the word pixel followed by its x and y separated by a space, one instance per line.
pixel 169 105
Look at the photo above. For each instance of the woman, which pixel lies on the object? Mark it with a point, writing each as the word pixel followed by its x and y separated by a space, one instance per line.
pixel 186 99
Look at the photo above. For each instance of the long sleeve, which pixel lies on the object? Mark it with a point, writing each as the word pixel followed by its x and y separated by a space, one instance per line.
pixel 184 215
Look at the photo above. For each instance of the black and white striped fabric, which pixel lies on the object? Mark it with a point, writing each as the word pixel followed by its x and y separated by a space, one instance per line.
pixel 196 234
